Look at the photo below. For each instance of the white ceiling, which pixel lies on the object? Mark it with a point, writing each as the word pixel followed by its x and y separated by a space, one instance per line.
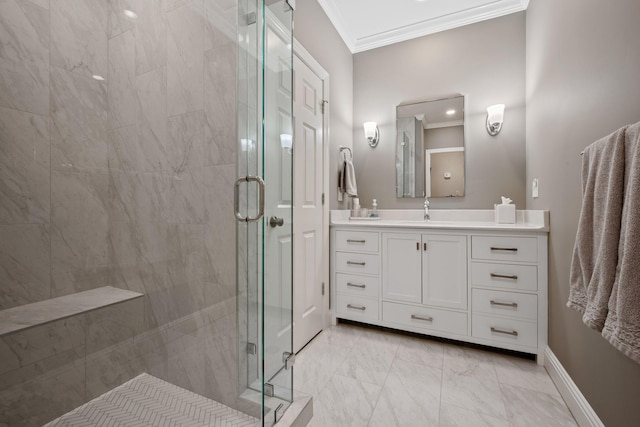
pixel 367 24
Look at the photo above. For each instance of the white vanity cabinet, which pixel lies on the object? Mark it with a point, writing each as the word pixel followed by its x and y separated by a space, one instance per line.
pixel 486 285
pixel 428 269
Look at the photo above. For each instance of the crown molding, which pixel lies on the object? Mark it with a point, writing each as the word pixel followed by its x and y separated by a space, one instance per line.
pixel 472 15
pixel 338 21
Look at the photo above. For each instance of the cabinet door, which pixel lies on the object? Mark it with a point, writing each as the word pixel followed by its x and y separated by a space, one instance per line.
pixel 444 271
pixel 401 267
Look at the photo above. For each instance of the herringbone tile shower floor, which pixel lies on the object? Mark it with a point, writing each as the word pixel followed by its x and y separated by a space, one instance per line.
pixel 148 401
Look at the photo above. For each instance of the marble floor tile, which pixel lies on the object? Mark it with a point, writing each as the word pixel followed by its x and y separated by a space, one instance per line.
pixel 528 408
pixel 369 360
pixel 315 365
pixel 426 383
pixel 409 397
pixel 455 416
pixel 422 351
pixel 477 394
pixel 345 402
pixel 469 362
pixel 523 373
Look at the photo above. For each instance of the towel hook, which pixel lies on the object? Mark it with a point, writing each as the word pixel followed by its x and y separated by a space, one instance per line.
pixel 349 150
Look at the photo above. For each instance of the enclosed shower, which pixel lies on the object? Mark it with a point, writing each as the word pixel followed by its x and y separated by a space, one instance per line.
pixel 145 212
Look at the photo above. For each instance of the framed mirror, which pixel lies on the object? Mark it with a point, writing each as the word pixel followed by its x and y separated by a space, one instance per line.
pixel 430 148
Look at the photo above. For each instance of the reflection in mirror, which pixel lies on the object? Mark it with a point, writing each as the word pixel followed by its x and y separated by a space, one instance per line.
pixel 430 148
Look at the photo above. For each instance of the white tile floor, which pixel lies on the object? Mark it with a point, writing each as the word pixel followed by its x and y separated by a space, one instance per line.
pixel 360 376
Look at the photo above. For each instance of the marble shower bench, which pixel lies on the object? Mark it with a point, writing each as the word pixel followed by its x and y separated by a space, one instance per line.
pixel 39 313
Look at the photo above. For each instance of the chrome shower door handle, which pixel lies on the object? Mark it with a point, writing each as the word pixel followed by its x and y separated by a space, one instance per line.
pixel 236 198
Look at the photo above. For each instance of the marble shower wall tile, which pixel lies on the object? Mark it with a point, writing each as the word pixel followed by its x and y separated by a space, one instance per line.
pixel 24 56
pixel 151 35
pixel 121 81
pixel 119 22
pixel 220 104
pixel 185 58
pixel 151 89
pixel 79 36
pixel 218 188
pixel 80 231
pixel 78 121
pixel 221 359
pixel 186 145
pixel 26 264
pixel 114 324
pixel 221 18
pixel 24 167
pixel 38 393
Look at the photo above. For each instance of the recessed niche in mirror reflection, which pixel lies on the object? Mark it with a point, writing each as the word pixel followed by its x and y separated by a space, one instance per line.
pixel 430 148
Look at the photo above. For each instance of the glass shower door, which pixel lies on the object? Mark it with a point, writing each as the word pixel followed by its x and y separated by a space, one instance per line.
pixel 264 204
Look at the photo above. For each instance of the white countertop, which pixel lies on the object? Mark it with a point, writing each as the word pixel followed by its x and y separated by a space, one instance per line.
pixel 445 219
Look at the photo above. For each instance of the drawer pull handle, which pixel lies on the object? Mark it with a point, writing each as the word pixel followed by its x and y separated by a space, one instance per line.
pixel 356 241
pixel 500 331
pixel 425 318
pixel 504 276
pixel 504 304
pixel 356 285
pixel 357 307
pixel 356 263
pixel 493 248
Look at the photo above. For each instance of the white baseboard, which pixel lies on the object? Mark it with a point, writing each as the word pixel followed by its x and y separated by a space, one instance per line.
pixel 578 405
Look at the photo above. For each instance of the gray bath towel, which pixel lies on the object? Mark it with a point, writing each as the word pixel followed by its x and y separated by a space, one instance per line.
pixel 595 254
pixel 622 327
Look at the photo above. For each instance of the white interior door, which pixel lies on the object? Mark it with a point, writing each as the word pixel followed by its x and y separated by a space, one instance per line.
pixel 277 268
pixel 308 210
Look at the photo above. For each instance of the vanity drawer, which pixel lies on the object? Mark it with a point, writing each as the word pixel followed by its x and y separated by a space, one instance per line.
pixel 348 262
pixel 357 307
pixel 523 306
pixel 357 285
pixel 500 330
pixel 358 241
pixel 429 319
pixel 500 248
pixel 505 276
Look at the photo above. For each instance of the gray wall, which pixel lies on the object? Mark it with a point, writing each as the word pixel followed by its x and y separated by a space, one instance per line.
pixel 483 61
pixel 318 35
pixel 583 63
pixel 125 182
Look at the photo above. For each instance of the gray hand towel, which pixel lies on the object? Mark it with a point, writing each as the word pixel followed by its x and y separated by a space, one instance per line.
pixel 349 177
pixel 595 254
pixel 622 327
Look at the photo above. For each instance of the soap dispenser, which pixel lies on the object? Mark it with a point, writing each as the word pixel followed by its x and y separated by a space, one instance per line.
pixel 374 209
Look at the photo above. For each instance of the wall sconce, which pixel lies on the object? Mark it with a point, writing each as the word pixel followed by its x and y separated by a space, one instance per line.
pixel 495 117
pixel 286 141
pixel 372 133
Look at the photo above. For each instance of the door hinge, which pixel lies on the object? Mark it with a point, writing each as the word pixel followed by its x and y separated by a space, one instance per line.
pixel 322 288
pixel 288 359
pixel 323 198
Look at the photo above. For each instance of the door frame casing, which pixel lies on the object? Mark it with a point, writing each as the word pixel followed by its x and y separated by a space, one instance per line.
pixel 304 55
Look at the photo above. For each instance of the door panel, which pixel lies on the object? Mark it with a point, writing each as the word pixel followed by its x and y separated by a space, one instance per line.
pixel 444 271
pixel 308 178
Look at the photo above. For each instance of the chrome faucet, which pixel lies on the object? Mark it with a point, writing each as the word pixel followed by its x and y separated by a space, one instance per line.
pixel 427 217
